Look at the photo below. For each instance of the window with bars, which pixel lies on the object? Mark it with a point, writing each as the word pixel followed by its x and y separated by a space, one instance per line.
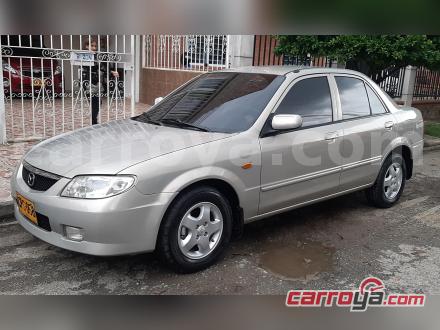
pixel 185 52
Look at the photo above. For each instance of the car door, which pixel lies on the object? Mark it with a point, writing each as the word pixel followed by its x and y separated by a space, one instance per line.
pixel 368 129
pixel 302 164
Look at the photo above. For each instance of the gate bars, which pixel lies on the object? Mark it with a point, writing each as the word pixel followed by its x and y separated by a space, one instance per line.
pixel 48 83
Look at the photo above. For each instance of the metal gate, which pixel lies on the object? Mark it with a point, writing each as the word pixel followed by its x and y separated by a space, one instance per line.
pixel 53 84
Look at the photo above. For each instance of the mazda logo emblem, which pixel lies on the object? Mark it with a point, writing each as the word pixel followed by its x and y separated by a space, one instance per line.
pixel 31 179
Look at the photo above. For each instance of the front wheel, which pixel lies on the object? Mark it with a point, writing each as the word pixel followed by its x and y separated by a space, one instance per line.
pixel 389 184
pixel 196 230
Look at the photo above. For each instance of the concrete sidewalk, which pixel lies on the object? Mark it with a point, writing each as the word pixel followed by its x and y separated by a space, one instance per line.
pixel 431 142
pixel 11 155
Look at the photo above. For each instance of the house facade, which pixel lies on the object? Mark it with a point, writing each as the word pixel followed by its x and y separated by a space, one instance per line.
pixel 43 91
pixel 170 60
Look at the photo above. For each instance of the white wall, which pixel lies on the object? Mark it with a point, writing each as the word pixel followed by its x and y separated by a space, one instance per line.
pixel 241 48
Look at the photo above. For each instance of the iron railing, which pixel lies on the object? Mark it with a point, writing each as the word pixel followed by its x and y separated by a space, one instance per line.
pixel 391 81
pixel 186 52
pixel 323 62
pixel 427 85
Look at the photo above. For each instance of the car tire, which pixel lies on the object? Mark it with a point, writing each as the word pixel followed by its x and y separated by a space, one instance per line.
pixel 388 186
pixel 173 245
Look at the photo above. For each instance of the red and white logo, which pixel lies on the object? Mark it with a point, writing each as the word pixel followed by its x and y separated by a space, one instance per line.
pixel 371 293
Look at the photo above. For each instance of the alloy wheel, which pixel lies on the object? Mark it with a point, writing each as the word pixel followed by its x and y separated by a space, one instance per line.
pixel 393 181
pixel 200 230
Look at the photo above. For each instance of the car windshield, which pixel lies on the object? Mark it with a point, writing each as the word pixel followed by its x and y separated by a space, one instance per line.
pixel 227 102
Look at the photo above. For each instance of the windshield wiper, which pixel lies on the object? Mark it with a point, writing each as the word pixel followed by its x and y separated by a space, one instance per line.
pixel 178 123
pixel 147 119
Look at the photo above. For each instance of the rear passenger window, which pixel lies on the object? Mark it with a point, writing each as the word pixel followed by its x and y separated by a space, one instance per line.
pixel 354 100
pixel 376 105
pixel 310 98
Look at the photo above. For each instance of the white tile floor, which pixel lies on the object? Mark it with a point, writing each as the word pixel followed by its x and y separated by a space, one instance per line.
pixel 12 152
pixel 25 120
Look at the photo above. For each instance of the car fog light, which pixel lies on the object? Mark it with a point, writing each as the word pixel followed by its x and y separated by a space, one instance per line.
pixel 74 234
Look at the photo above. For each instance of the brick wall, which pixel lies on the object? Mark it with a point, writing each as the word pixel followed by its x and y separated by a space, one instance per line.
pixel 264 46
pixel 158 82
pixel 430 109
pixel 264 54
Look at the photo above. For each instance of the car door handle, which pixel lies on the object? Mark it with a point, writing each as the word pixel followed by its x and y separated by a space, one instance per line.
pixel 331 136
pixel 389 125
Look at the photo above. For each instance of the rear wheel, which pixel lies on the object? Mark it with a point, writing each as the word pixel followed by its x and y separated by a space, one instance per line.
pixel 389 184
pixel 196 230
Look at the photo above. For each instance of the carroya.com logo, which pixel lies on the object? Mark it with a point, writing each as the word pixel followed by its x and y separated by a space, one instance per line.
pixel 371 293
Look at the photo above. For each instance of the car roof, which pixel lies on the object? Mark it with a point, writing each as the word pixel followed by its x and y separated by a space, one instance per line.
pixel 283 70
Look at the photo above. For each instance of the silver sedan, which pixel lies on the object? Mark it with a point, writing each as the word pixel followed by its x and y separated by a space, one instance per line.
pixel 222 150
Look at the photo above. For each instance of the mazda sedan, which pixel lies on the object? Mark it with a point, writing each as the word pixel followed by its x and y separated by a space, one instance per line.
pixel 225 149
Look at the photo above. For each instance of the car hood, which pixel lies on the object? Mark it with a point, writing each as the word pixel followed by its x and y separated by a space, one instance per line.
pixel 110 148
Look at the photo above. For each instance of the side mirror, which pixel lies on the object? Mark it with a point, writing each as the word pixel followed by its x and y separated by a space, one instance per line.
pixel 157 100
pixel 284 122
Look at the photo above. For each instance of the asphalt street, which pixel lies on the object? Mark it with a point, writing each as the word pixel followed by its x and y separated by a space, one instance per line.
pixel 330 245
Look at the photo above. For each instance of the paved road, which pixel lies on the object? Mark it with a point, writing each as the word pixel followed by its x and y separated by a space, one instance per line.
pixel 334 245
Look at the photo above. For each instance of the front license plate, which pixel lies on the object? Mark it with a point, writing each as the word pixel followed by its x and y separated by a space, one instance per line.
pixel 27 208
pixel 38 82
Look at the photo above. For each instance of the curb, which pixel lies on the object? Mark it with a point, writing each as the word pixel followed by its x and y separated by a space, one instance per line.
pixel 431 148
pixel 431 141
pixel 6 210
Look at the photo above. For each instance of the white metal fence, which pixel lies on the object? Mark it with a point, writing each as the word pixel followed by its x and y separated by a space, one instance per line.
pixel 52 84
pixel 186 52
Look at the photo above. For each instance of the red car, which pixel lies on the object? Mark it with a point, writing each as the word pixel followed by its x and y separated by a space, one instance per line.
pixel 26 75
pixel 26 70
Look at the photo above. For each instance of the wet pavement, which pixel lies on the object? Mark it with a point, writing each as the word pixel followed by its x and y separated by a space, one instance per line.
pixel 330 245
pixel 301 261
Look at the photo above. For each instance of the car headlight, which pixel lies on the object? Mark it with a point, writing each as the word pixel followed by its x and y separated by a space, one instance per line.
pixel 9 68
pixel 97 186
pixel 58 70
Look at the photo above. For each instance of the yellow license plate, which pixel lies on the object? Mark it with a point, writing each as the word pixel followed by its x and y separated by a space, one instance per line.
pixel 27 208
pixel 38 83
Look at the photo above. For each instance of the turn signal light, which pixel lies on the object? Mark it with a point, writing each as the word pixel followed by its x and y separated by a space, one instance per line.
pixel 246 166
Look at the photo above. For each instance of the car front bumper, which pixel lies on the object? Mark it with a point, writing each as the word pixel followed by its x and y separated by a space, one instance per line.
pixel 123 224
pixel 417 155
pixel 18 85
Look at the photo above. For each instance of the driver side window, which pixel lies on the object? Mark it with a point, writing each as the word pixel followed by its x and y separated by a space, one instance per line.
pixel 311 99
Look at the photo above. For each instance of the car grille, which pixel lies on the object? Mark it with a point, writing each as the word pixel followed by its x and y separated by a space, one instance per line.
pixel 37 179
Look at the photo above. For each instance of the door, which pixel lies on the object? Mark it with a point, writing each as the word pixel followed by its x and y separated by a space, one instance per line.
pixel 302 164
pixel 368 129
